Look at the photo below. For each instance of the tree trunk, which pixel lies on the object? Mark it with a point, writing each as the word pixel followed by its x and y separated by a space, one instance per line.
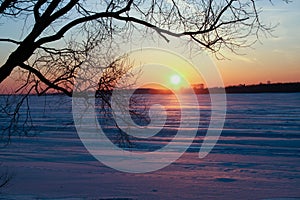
pixel 20 55
pixel 7 68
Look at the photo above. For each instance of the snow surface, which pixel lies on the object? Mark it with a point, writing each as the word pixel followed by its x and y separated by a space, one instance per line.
pixel 257 156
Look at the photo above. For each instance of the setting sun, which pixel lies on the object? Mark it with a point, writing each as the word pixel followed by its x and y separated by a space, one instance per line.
pixel 175 79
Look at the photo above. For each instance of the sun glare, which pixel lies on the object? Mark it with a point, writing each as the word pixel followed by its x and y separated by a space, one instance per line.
pixel 175 79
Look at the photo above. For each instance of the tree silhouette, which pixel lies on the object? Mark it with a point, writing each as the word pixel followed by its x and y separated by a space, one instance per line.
pixel 213 24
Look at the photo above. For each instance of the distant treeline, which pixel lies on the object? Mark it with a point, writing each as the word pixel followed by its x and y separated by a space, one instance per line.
pixel 264 88
pixel 259 88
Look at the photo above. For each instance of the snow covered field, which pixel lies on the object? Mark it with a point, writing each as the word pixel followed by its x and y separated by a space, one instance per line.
pixel 256 157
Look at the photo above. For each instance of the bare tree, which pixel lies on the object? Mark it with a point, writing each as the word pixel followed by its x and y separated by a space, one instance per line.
pixel 213 24
pixel 5 177
pixel 60 36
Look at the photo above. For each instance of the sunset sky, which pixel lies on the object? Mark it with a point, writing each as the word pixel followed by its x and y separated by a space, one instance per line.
pixel 275 59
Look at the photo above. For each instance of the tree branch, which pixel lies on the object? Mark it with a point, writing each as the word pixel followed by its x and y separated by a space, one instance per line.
pixel 64 10
pixel 9 40
pixel 44 79
pixel 6 4
pixel 78 21
pixel 67 27
pixel 52 6
pixel 36 9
